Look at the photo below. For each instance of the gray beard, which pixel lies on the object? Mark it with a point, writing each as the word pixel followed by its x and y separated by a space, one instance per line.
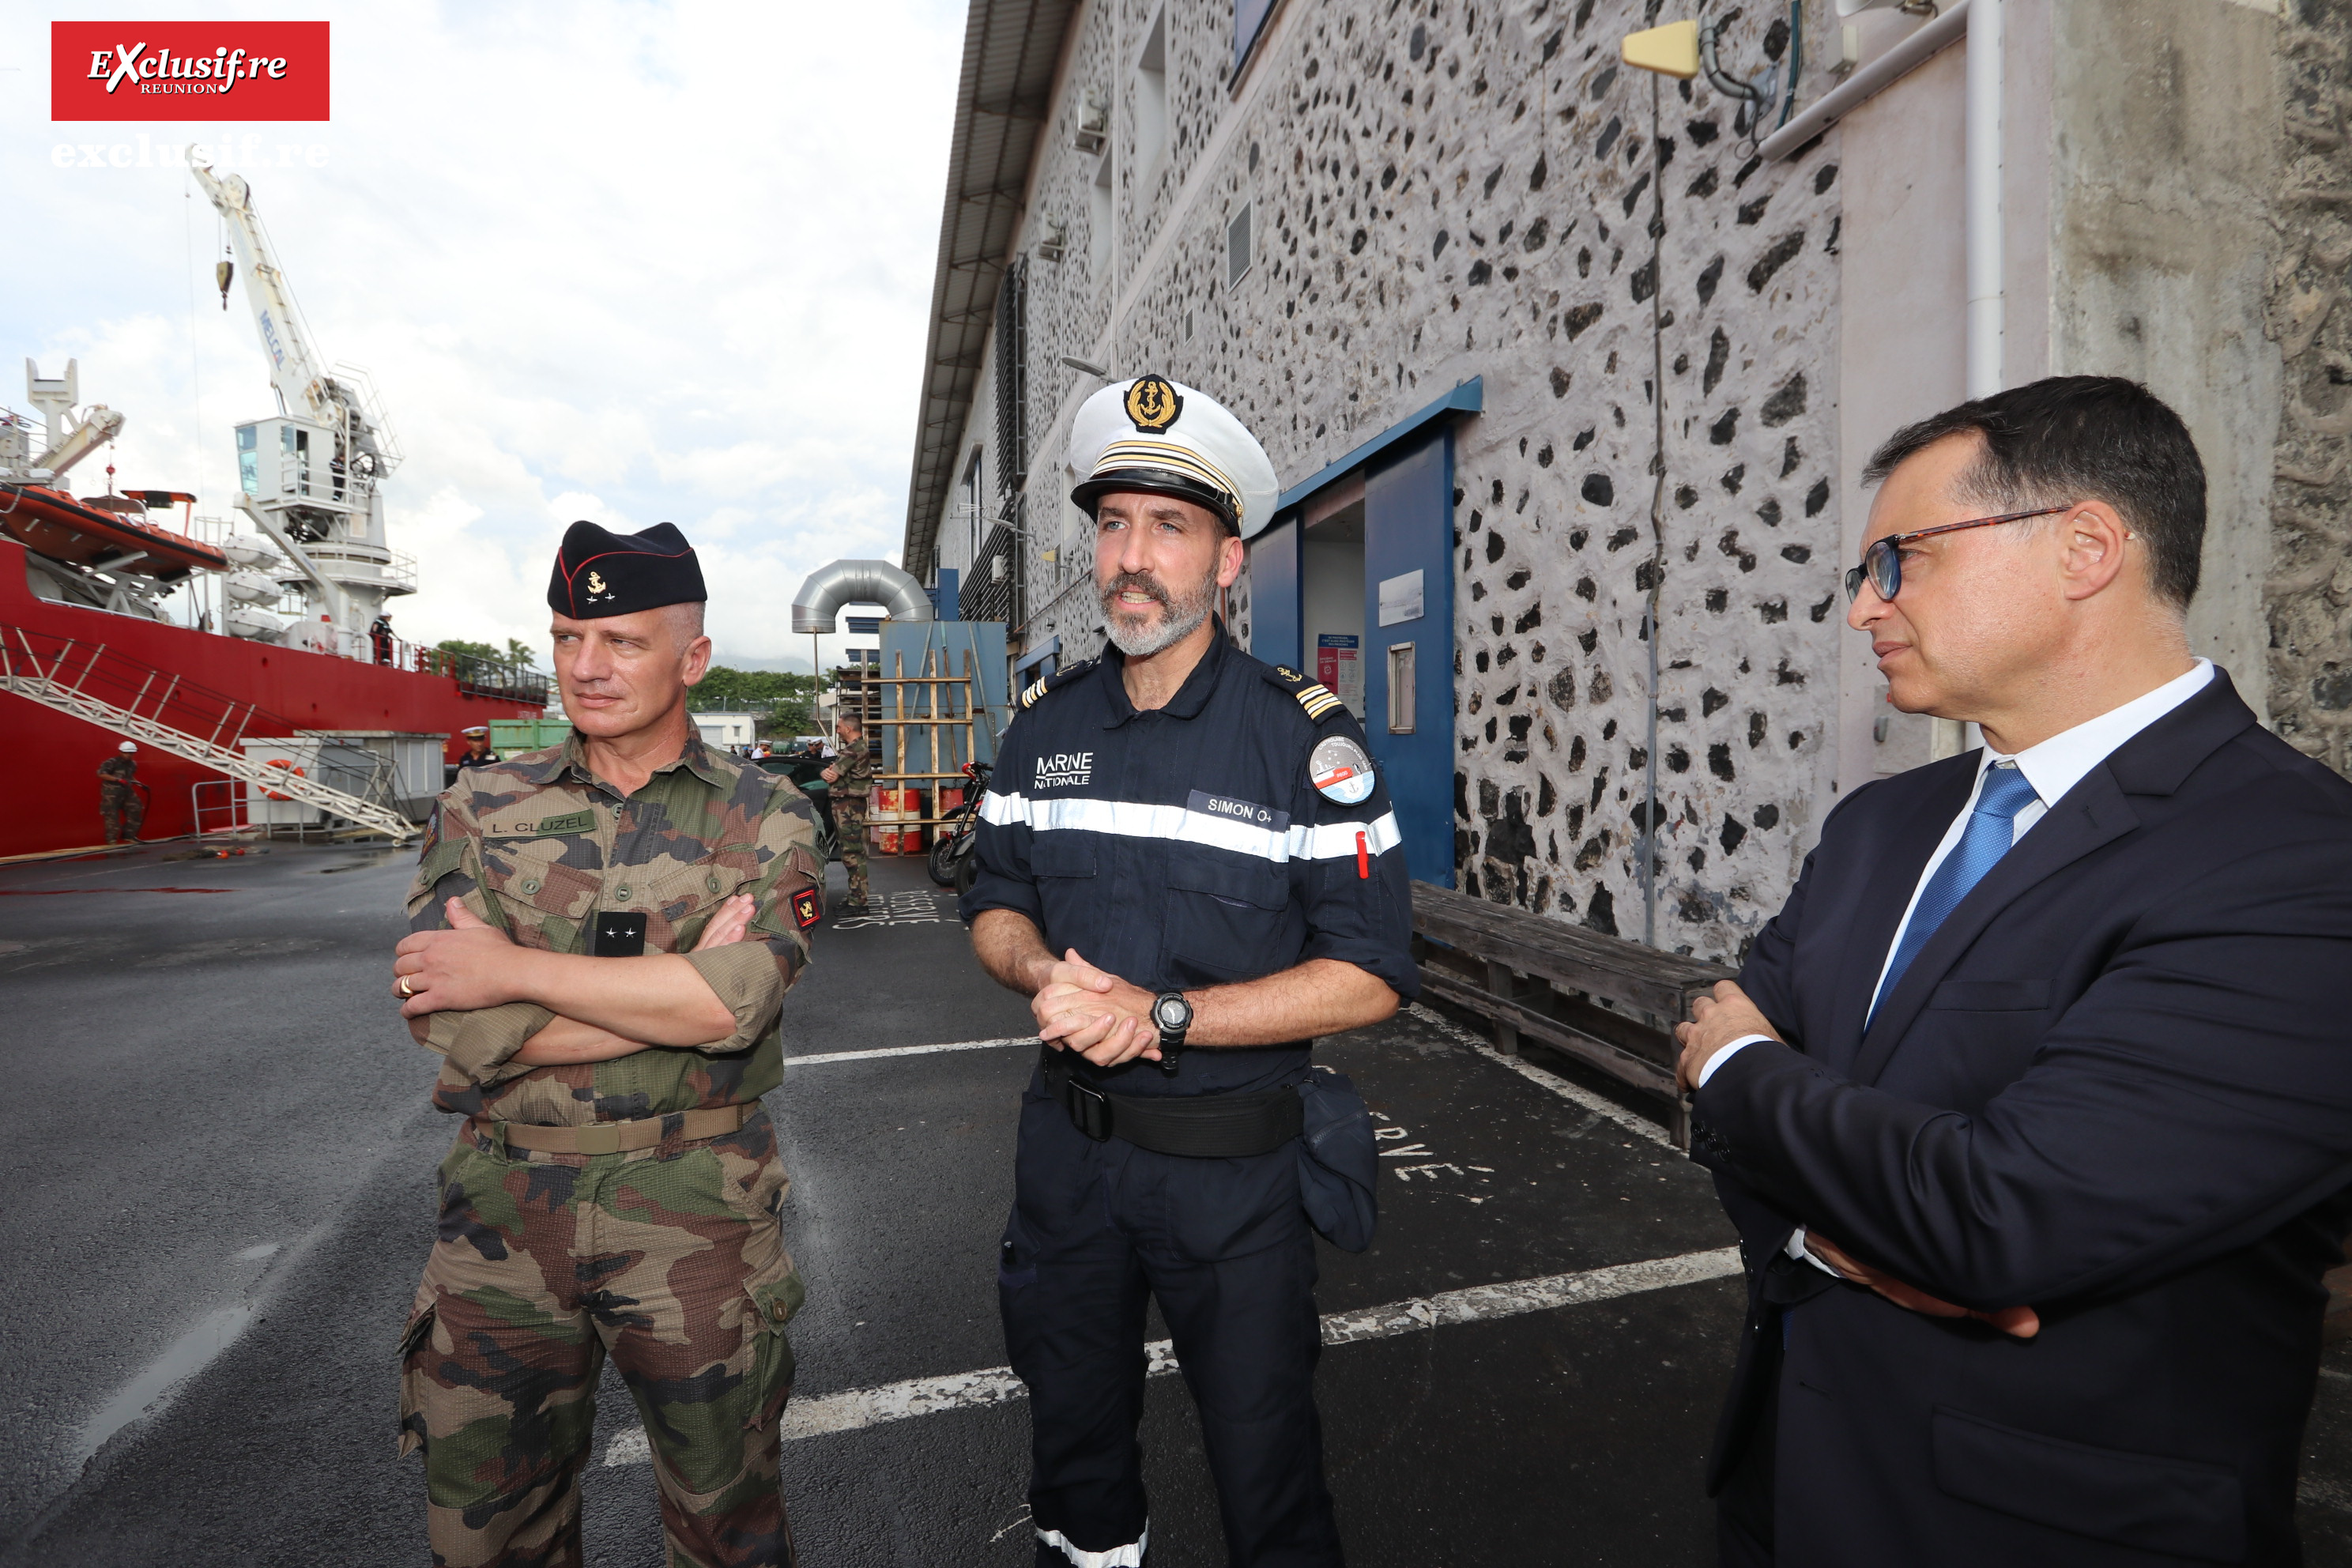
pixel 1181 617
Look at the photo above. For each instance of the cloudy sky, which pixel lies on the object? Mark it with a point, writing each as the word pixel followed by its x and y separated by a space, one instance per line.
pixel 627 262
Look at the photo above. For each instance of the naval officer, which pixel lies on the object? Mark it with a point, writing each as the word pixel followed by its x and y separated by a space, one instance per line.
pixel 1187 861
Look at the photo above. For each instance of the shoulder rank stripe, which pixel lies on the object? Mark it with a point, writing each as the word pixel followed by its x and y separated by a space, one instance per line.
pixel 1317 700
pixel 1045 683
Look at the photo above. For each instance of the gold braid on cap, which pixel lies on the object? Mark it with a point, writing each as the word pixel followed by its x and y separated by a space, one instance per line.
pixel 1169 455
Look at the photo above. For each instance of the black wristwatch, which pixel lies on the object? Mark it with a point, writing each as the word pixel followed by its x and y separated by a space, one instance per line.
pixel 1173 1016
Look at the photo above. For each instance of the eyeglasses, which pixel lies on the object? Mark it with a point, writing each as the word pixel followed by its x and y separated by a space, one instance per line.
pixel 1882 565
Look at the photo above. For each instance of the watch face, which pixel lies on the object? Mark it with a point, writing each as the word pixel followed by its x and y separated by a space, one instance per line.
pixel 1171 1012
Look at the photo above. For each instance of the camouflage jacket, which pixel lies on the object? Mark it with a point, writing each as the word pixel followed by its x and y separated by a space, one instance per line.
pixel 856 763
pixel 538 845
pixel 115 775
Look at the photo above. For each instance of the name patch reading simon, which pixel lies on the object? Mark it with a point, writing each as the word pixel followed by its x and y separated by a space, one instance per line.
pixel 1241 811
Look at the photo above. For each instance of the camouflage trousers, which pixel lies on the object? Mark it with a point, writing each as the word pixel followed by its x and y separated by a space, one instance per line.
pixel 120 812
pixel 671 1260
pixel 849 832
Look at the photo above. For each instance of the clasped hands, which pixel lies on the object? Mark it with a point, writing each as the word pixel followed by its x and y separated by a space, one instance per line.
pixel 471 965
pixel 1092 1012
pixel 1727 1015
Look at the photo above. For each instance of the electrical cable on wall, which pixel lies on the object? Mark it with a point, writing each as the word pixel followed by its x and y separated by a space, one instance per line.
pixel 1657 517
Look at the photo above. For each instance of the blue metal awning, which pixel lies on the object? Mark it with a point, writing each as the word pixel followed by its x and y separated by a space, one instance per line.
pixel 1468 397
pixel 1037 656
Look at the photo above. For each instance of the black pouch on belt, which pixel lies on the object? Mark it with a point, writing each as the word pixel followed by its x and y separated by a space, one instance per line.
pixel 1339 1166
pixel 1205 1127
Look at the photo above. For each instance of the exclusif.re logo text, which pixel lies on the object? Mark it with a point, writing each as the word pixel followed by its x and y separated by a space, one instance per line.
pixel 162 72
pixel 177 71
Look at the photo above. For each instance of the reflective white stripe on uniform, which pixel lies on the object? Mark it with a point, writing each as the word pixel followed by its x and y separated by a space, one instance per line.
pixel 1137 819
pixel 1128 1556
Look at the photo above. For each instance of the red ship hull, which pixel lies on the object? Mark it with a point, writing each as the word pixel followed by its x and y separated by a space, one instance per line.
pixel 48 791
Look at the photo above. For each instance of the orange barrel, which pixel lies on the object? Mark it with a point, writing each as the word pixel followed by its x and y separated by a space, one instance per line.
pixel 882 814
pixel 888 809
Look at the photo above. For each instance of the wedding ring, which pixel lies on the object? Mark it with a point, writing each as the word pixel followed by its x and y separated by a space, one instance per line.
pixel 406 989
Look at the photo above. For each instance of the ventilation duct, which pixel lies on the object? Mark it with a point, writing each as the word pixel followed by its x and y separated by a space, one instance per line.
pixel 828 588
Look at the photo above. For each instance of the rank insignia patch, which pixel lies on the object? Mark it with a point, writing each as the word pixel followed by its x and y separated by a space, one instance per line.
pixel 807 908
pixel 1153 404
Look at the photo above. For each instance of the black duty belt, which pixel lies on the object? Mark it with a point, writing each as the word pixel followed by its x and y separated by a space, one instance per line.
pixel 1202 1126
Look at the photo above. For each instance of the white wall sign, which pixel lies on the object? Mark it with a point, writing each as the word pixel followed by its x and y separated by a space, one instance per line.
pixel 1400 598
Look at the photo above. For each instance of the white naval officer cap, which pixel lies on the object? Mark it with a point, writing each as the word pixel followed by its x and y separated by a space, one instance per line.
pixel 1152 434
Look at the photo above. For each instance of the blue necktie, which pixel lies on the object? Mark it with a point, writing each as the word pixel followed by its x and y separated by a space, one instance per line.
pixel 1991 829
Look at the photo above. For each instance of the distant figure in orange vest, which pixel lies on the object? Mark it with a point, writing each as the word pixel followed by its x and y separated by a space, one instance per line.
pixel 119 807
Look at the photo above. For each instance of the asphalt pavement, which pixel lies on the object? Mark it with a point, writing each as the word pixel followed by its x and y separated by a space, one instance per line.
pixel 219 1184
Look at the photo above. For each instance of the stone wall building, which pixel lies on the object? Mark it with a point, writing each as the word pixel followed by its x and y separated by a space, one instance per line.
pixel 1564 339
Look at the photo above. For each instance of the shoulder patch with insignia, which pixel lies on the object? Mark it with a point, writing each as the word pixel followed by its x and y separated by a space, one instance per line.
pixel 807 908
pixel 1313 696
pixel 1060 678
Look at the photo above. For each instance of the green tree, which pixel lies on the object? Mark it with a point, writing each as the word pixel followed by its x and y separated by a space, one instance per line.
pixel 471 649
pixel 784 700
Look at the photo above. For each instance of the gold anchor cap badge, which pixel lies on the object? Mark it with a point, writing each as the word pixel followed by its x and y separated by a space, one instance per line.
pixel 595 583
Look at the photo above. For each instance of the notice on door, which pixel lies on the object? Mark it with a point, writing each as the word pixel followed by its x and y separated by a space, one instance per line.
pixel 1340 669
pixel 1400 598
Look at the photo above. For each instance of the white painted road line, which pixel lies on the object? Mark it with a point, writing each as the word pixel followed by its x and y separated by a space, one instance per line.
pixel 907 1051
pixel 860 1408
pixel 1632 1121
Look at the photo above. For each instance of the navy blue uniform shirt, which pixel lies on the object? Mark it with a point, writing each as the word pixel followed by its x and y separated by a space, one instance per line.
pixel 1186 847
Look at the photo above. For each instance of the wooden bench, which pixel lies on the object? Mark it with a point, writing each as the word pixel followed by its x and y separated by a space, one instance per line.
pixel 1608 1002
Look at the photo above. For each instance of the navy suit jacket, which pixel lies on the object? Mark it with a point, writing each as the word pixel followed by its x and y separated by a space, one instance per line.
pixel 2116 1085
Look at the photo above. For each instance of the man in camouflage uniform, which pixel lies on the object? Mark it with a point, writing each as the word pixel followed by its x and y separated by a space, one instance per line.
pixel 120 808
pixel 852 778
pixel 602 934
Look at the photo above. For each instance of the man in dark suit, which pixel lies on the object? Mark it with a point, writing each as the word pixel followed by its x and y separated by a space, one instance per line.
pixel 2033 1104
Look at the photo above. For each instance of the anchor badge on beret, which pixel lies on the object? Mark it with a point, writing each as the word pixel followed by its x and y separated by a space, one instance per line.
pixel 597 587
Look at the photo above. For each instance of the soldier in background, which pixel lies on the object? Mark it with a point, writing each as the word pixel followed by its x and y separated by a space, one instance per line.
pixel 477 748
pixel 379 633
pixel 121 806
pixel 852 778
pixel 602 933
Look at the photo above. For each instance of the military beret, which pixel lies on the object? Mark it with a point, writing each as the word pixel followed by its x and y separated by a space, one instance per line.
pixel 599 573
pixel 1154 436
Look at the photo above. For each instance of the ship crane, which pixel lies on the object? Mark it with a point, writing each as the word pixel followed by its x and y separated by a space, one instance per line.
pixel 310 477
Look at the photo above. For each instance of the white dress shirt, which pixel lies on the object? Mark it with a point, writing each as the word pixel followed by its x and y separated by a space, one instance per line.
pixel 2053 767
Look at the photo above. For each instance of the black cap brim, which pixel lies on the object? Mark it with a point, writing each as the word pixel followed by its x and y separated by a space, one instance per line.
pixel 1153 481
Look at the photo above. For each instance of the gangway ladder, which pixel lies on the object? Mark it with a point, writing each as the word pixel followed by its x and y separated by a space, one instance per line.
pixel 61 682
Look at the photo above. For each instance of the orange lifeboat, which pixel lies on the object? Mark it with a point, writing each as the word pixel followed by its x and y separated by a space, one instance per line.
pixel 106 534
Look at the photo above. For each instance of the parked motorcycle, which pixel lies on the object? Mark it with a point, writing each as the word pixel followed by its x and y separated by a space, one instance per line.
pixel 951 865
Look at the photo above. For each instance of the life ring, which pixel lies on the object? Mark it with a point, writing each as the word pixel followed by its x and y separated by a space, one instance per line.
pixel 267 793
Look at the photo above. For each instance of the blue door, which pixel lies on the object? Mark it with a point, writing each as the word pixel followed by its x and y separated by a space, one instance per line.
pixel 1408 650
pixel 1273 594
